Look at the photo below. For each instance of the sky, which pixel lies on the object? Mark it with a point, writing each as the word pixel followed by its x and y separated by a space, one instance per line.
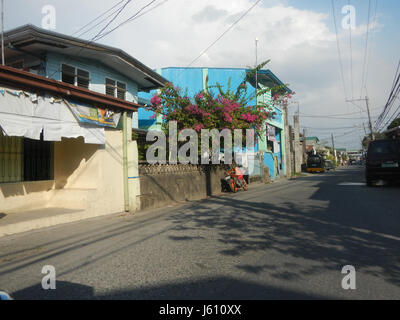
pixel 298 36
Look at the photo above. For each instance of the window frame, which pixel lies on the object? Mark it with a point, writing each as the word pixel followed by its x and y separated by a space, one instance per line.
pixel 76 75
pixel 116 87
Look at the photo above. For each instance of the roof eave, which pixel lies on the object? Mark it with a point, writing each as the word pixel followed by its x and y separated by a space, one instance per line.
pixel 37 33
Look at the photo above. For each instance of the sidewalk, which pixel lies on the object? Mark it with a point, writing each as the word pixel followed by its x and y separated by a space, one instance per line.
pixel 18 222
pixel 28 220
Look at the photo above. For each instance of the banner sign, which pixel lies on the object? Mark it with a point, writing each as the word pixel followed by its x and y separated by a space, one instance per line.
pixel 94 115
pixel 271 133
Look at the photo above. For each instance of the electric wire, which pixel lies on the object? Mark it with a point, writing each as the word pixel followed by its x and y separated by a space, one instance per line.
pixel 223 34
pixel 95 19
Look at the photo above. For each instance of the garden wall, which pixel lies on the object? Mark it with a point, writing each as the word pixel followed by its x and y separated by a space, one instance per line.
pixel 161 185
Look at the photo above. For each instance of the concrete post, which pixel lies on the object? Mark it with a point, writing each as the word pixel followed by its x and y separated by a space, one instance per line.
pixel 288 164
pixel 292 155
pixel 297 147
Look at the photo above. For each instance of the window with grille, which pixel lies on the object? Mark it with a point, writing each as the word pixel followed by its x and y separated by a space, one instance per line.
pixel 116 89
pixel 75 76
pixel 24 159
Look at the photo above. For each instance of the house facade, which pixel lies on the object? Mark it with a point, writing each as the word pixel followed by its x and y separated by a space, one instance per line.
pixel 270 147
pixel 67 109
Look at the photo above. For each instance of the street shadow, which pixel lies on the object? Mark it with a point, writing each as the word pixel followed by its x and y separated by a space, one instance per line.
pixel 219 288
pixel 332 229
pixel 64 291
pixel 329 228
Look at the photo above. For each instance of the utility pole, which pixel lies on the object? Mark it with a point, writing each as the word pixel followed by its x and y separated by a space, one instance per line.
pixel 369 119
pixel 2 33
pixel 261 158
pixel 256 67
pixel 288 164
pixel 333 147
pixel 366 99
pixel 304 147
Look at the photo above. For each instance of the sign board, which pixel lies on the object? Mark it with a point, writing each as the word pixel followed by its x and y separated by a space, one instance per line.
pixel 271 133
pixel 94 115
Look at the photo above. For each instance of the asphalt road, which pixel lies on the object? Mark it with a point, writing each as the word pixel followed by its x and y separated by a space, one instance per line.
pixel 287 240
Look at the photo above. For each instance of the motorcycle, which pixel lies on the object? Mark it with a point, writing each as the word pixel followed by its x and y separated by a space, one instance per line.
pixel 235 180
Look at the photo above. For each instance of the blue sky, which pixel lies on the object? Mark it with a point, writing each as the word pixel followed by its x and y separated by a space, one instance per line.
pixel 297 35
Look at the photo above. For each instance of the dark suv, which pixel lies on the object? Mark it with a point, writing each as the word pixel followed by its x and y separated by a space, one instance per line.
pixel 383 161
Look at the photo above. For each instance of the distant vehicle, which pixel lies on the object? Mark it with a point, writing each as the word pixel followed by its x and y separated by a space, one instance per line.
pixel 383 161
pixel 315 164
pixel 328 165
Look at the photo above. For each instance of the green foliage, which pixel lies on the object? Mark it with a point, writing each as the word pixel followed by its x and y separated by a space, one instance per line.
pixel 395 123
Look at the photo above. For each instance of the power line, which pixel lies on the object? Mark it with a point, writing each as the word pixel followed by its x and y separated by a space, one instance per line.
pixel 97 35
pixel 364 84
pixel 394 93
pixel 366 47
pixel 351 62
pixel 223 34
pixel 133 17
pixel 98 17
pixel 336 115
pixel 326 128
pixel 333 118
pixel 97 24
pixel 338 49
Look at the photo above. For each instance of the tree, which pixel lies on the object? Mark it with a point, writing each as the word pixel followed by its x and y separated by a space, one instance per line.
pixel 367 139
pixel 395 123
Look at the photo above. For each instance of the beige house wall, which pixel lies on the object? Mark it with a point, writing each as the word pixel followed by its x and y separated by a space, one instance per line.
pixel 86 177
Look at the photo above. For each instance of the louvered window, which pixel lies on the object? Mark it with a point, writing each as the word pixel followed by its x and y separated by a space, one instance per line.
pixel 68 74
pixel 115 88
pixel 121 90
pixel 110 87
pixel 75 76
pixel 83 78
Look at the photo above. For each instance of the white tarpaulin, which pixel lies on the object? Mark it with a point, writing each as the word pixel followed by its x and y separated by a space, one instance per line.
pixel 28 115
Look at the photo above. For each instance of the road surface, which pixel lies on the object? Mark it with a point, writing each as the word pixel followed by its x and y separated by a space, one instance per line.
pixel 287 240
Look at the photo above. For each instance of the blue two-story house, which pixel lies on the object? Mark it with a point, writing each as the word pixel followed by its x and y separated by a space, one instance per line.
pixel 194 80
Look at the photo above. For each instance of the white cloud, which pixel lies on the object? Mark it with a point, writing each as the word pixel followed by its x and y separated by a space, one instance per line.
pixel 300 43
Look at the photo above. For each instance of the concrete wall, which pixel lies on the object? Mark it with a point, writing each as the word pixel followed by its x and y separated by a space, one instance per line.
pixel 86 177
pixel 167 184
pixel 24 195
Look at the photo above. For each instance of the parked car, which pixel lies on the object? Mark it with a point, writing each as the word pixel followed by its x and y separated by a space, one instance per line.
pixel 383 161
